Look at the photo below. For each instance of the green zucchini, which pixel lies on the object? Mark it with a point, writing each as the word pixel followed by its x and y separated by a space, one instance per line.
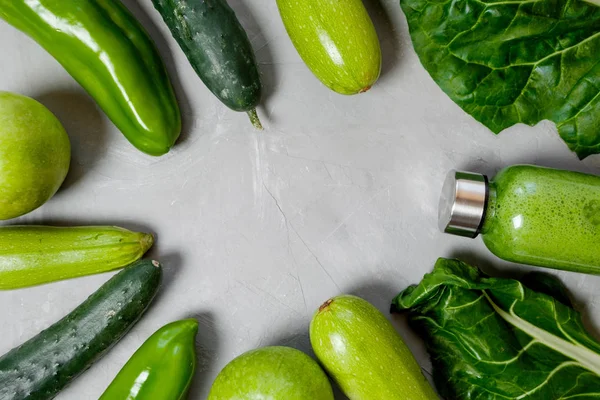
pixel 337 41
pixel 32 255
pixel 42 366
pixel 364 354
pixel 218 48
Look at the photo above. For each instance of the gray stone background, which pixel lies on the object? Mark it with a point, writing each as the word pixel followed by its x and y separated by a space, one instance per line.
pixel 255 230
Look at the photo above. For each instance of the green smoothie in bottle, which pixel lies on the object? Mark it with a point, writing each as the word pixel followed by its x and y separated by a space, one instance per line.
pixel 529 215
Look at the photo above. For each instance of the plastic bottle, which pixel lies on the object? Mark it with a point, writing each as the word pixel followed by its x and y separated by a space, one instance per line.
pixel 528 214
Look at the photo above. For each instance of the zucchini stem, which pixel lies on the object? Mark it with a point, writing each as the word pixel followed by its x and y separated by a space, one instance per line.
pixel 254 119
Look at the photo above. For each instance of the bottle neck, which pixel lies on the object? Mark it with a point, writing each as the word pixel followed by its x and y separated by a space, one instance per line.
pixel 490 208
pixel 463 203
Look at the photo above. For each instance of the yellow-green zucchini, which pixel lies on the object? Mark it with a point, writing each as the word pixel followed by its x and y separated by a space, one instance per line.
pixel 32 255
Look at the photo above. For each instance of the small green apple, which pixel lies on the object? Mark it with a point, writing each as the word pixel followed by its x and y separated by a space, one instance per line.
pixel 34 155
pixel 273 373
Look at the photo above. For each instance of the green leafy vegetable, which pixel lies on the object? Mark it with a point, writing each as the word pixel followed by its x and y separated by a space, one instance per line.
pixel 492 338
pixel 506 62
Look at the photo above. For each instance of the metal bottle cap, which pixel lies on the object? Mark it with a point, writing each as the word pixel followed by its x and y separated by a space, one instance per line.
pixel 463 203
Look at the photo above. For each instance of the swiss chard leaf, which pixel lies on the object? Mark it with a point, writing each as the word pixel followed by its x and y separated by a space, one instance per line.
pixel 492 338
pixel 512 61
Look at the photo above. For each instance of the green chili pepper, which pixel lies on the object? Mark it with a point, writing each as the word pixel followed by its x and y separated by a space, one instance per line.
pixel 108 52
pixel 162 369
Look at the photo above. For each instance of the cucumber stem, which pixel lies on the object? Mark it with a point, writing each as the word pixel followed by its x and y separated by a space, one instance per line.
pixel 254 119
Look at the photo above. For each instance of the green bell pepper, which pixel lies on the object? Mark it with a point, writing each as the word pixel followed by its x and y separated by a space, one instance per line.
pixel 110 54
pixel 162 368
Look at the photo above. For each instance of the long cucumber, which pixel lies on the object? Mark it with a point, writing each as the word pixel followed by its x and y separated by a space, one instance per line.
pixel 42 366
pixel 218 48
pixel 32 255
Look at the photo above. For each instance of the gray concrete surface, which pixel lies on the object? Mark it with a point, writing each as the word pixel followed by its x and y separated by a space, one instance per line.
pixel 255 230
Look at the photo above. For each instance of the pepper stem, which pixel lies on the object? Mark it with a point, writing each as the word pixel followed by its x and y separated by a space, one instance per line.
pixel 254 119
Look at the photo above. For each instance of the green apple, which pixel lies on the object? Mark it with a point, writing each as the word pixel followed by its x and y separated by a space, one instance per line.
pixel 34 155
pixel 274 373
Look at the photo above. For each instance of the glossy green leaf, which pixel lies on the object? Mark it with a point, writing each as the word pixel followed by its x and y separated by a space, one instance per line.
pixel 506 62
pixel 497 339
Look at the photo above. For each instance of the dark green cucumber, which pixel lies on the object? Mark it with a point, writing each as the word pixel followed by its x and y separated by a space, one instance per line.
pixel 42 366
pixel 218 48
